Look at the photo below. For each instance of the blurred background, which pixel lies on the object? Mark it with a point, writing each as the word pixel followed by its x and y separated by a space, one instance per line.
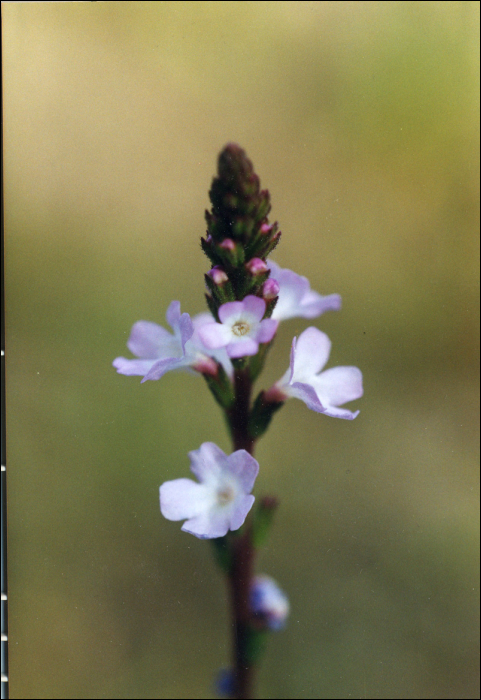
pixel 362 120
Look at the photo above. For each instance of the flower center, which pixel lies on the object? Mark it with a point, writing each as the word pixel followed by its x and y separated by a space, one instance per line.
pixel 240 328
pixel 225 496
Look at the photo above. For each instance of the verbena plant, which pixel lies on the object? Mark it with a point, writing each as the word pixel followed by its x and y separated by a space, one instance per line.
pixel 248 296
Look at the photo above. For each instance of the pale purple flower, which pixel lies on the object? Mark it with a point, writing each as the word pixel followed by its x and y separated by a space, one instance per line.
pixel 268 602
pixel 296 298
pixel 221 501
pixel 206 354
pixel 322 392
pixel 160 351
pixel 241 328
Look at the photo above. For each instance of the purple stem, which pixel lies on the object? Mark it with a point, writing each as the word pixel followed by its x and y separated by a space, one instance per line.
pixel 243 552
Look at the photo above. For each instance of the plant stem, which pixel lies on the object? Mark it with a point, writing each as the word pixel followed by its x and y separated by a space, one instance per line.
pixel 240 582
pixel 238 415
pixel 243 552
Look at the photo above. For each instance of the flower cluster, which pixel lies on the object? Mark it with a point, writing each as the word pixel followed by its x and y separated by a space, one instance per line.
pixel 204 345
pixel 248 296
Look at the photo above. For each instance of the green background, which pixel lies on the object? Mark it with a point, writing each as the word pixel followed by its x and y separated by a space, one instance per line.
pixel 362 120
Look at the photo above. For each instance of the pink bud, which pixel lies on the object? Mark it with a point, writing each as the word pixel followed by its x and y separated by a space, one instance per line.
pixel 274 395
pixel 256 266
pixel 270 290
pixel 206 365
pixel 227 244
pixel 266 228
pixel 217 275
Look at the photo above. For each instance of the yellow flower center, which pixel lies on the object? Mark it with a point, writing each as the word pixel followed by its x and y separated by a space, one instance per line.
pixel 240 328
pixel 225 496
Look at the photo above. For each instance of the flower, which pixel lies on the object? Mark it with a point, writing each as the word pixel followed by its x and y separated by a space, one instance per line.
pixel 241 328
pixel 268 602
pixel 221 501
pixel 160 351
pixel 322 392
pixel 296 297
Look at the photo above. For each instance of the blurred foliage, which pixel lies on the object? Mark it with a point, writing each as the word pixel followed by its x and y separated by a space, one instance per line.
pixel 362 120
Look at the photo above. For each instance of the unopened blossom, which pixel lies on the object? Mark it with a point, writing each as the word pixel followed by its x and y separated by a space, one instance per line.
pixel 256 266
pixel 322 392
pixel 217 275
pixel 160 351
pixel 270 289
pixel 296 298
pixel 220 501
pixel 241 327
pixel 268 602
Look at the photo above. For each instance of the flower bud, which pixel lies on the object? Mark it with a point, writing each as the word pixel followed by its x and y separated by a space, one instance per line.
pixel 256 267
pixel 274 395
pixel 269 604
pixel 217 275
pixel 227 244
pixel 265 229
pixel 206 366
pixel 239 206
pixel 270 290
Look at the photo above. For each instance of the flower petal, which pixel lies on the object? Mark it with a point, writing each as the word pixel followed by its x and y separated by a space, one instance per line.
pixel 244 467
pixel 335 412
pixel 183 498
pixel 201 319
pixel 230 311
pixel 207 526
pixel 215 335
pixel 180 324
pixel 306 393
pixel 158 369
pixel 267 330
pixel 311 354
pixel 186 329
pixel 173 314
pixel 242 348
pixel 207 462
pixel 339 385
pixel 132 368
pixel 255 306
pixel 150 341
pixel 314 304
pixel 239 512
pixel 296 297
pixel 292 288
